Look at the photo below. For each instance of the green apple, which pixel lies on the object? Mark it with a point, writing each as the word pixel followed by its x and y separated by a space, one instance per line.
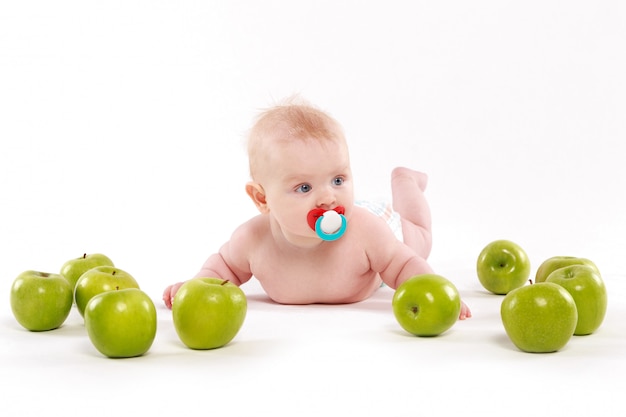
pixel 587 288
pixel 74 268
pixel 426 305
pixel 208 312
pixel 100 279
pixel 121 323
pixel 556 262
pixel 40 300
pixel 539 318
pixel 502 266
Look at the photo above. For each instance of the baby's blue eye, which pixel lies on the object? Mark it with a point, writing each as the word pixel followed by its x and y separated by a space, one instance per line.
pixel 338 181
pixel 304 188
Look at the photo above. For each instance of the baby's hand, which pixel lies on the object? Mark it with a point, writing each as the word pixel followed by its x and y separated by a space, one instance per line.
pixel 169 293
pixel 465 312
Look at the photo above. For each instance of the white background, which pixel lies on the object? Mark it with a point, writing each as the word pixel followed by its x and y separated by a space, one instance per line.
pixel 122 128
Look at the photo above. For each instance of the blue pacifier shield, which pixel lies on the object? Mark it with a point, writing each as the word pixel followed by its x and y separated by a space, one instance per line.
pixel 331 226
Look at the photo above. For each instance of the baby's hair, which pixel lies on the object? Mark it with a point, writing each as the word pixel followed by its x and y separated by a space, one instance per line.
pixel 293 119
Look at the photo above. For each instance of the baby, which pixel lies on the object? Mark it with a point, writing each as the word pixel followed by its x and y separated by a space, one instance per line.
pixel 311 243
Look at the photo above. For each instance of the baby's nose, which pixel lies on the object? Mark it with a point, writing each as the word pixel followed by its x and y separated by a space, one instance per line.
pixel 326 198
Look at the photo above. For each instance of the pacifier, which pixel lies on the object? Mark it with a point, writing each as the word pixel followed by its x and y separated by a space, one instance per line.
pixel 328 224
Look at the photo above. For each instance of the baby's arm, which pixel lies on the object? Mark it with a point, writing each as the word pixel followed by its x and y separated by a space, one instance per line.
pixel 225 266
pixel 230 263
pixel 415 265
pixel 396 262
pixel 215 266
pixel 402 264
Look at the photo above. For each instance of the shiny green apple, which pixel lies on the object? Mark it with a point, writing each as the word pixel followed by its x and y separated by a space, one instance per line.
pixel 121 323
pixel 556 262
pixel 587 288
pixel 100 279
pixel 40 300
pixel 502 266
pixel 74 268
pixel 539 318
pixel 426 305
pixel 208 312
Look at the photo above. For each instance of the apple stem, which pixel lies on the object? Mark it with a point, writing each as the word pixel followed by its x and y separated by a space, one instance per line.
pixel 117 287
pixel 531 281
pixel 113 273
pixel 84 255
pixel 225 282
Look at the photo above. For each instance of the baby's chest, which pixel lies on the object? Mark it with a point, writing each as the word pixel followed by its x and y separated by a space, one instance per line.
pixel 288 276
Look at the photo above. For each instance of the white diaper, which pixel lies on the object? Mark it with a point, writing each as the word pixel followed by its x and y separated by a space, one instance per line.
pixel 383 209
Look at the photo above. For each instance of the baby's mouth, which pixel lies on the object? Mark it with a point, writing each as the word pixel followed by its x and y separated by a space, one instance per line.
pixel 329 225
pixel 316 213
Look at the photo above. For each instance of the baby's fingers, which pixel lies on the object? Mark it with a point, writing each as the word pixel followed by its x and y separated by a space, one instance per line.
pixel 465 312
pixel 168 297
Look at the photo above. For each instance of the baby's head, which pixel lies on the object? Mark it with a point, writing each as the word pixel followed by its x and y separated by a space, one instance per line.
pixel 299 161
pixel 287 123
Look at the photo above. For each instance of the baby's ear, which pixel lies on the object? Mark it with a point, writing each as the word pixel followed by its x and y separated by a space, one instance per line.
pixel 257 194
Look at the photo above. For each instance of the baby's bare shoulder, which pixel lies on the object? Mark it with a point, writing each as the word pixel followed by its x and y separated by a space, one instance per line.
pixel 250 232
pixel 374 235
pixel 254 226
pixel 369 225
